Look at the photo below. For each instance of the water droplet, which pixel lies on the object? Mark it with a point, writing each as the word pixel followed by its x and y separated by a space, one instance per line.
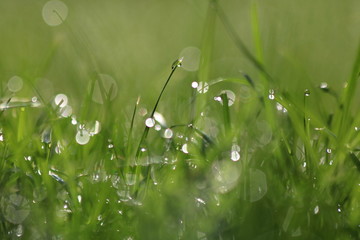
pixel 61 100
pixel 110 146
pixel 15 208
pixel 328 150
pixel 191 58
pixel 15 84
pixel 1 136
pixel 19 231
pixel 225 175
pixel 82 137
pixel 258 185
pixel 157 127
pixel 105 87
pixel 194 84
pixel 142 112
pixel 203 87
pixel 177 63
pixel 316 210
pixel 73 120
pixel 230 96
pixel 323 85
pixel 143 149
pixel 27 158
pixel 307 92
pixel 54 12
pixel 46 136
pixel 235 156
pixel 184 148
pixel 271 94
pixel 200 201
pixel 65 111
pixel 168 133
pixel 150 122
pixel 95 128
pixel 79 198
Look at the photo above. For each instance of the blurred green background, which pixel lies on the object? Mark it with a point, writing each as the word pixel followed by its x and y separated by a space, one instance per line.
pixel 304 43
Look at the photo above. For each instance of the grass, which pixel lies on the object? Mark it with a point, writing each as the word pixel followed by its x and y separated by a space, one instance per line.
pixel 234 156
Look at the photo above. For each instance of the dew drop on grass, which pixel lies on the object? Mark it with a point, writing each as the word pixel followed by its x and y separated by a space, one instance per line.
pixel 150 122
pixel 316 210
pixel 79 198
pixel 323 85
pixel 65 111
pixel 271 94
pixel 168 133
pixel 258 185
pixel 225 176
pixel 230 96
pixel 19 231
pixel 184 148
pixel 157 127
pixel 95 128
pixel 54 12
pixel 203 87
pixel 15 208
pixel 191 58
pixel 194 84
pixel 82 137
pixel 235 156
pixel 15 84
pixel 61 100
pixel 307 92
pixel 73 120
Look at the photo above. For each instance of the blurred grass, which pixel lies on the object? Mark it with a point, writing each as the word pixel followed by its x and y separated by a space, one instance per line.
pixel 298 172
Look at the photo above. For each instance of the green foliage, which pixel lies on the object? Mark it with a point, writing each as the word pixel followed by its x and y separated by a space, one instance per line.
pixel 223 155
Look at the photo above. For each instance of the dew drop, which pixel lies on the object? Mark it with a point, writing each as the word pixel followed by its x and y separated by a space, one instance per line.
pixel 65 111
pixel 168 133
pixel 194 84
pixel 15 84
pixel 54 12
pixel 19 231
pixel 323 85
pixel 271 94
pixel 184 148
pixel 235 156
pixel 73 120
pixel 230 96
pixel 316 210
pixel 203 87
pixel 150 122
pixel 191 58
pixel 82 137
pixel 307 92
pixel 61 100
pixel 157 127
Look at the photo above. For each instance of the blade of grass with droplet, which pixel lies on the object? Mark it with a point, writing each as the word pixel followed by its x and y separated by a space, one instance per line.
pixel 226 112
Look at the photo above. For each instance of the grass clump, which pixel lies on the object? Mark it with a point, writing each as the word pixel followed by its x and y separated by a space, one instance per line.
pixel 238 157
